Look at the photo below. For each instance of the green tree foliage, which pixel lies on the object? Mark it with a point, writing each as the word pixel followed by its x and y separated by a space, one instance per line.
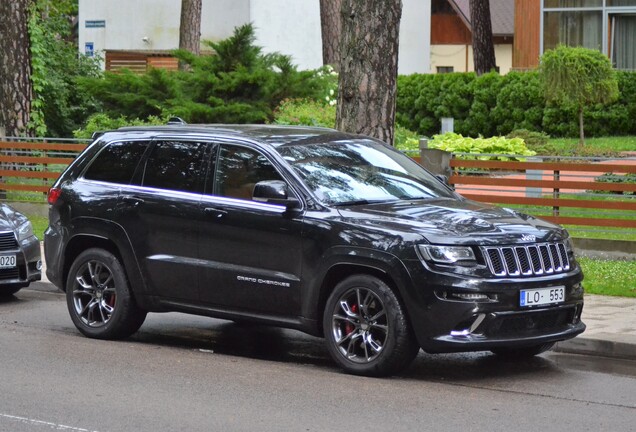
pixel 237 83
pixel 578 77
pixel 58 106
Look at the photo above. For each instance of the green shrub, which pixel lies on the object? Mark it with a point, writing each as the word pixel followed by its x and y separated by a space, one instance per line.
pixel 497 105
pixel 618 179
pixel 306 112
pixel 237 84
pixel 456 143
pixel 102 123
pixel 535 141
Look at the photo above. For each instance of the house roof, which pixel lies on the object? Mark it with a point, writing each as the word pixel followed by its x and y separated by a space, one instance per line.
pixel 502 15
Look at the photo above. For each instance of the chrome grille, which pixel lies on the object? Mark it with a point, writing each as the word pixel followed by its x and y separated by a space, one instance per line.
pixel 533 260
pixel 8 241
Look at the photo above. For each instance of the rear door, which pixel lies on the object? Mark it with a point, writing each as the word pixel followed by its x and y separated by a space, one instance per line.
pixel 250 251
pixel 159 212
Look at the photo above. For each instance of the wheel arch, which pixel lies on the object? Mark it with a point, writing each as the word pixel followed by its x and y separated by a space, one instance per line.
pixel 111 238
pixel 388 269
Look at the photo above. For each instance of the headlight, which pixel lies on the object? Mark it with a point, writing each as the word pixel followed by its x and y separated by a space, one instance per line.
pixel 447 254
pixel 25 231
pixel 569 245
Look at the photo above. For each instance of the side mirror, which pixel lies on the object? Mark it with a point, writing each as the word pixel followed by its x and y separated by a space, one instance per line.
pixel 274 192
pixel 444 180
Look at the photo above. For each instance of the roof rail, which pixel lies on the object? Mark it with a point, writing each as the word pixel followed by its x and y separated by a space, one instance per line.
pixel 176 121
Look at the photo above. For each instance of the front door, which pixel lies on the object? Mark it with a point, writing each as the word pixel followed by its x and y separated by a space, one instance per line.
pixel 250 251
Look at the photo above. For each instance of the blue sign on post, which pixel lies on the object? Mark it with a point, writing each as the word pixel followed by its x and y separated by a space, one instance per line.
pixel 89 49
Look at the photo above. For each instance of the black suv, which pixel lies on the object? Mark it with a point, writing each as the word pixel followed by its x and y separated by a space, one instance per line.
pixel 334 234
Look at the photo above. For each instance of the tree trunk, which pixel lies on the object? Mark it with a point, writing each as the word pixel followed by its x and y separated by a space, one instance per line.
pixel 581 130
pixel 331 26
pixel 483 47
pixel 15 67
pixel 368 62
pixel 190 27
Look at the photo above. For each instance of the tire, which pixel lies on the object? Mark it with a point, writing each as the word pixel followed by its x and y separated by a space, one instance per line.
pixel 99 298
pixel 366 328
pixel 523 353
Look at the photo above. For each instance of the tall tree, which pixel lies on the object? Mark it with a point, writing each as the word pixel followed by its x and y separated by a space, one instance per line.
pixel 331 26
pixel 483 47
pixel 15 67
pixel 190 27
pixel 368 67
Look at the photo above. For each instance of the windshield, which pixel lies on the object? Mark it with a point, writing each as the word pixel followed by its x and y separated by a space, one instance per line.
pixel 360 171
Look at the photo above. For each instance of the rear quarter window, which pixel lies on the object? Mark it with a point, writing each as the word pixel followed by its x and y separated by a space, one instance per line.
pixel 116 163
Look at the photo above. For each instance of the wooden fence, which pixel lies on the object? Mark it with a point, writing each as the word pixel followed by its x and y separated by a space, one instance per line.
pixel 27 169
pixel 565 192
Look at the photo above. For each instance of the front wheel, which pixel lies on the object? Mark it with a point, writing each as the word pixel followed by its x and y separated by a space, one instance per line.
pixel 523 353
pixel 366 328
pixel 99 299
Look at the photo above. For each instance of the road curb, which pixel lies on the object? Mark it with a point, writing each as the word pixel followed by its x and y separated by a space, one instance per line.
pixel 598 347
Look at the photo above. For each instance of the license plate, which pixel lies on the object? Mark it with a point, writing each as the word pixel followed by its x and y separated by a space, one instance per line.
pixel 7 261
pixel 542 296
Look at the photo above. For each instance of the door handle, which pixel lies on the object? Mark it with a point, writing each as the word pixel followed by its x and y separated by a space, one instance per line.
pixel 133 201
pixel 215 213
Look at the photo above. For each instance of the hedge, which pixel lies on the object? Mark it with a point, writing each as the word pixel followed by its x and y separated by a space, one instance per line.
pixel 493 104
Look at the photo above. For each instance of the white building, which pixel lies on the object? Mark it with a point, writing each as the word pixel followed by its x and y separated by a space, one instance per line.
pixel 290 27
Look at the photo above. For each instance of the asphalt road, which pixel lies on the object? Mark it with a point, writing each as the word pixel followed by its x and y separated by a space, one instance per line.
pixel 183 373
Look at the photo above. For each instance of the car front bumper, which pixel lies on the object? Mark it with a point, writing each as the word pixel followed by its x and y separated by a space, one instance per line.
pixel 445 322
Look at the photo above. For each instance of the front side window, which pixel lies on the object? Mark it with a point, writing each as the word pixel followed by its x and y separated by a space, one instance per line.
pixel 361 171
pixel 238 169
pixel 175 165
pixel 117 162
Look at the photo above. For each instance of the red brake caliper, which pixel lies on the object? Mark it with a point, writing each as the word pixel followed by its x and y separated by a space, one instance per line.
pixel 111 300
pixel 349 328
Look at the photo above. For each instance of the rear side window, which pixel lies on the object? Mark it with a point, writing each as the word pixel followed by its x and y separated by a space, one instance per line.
pixel 176 165
pixel 116 163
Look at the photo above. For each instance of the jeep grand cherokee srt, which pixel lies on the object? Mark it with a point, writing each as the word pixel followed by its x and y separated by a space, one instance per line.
pixel 334 234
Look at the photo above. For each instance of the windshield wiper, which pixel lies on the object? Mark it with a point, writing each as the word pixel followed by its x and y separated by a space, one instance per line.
pixel 362 202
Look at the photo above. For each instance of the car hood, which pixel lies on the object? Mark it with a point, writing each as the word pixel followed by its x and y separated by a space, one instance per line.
pixel 10 218
pixel 450 221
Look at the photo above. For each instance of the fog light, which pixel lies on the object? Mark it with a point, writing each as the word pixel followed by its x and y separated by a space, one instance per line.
pixel 471 296
pixel 38 265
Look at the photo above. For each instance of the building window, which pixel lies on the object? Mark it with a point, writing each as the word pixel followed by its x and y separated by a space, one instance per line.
pixel 445 69
pixel 606 25
pixel 576 29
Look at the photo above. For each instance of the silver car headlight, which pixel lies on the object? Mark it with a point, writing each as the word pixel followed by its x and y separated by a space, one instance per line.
pixel 462 255
pixel 25 230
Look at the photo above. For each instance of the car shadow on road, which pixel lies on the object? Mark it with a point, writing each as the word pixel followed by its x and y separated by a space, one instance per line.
pixel 289 346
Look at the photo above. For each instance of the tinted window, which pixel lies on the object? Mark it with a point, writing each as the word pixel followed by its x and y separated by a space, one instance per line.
pixel 361 170
pixel 116 163
pixel 239 169
pixel 175 165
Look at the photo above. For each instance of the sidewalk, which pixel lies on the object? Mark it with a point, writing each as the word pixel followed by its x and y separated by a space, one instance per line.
pixel 611 327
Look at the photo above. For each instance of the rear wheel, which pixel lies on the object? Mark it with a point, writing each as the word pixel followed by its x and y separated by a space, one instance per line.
pixel 99 299
pixel 366 328
pixel 521 353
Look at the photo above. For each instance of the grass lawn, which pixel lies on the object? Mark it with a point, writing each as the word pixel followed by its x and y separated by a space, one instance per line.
pixel 593 146
pixel 40 223
pixel 609 277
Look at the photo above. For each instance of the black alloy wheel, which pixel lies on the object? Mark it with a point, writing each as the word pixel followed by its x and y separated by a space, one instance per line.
pixel 366 328
pixel 98 297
